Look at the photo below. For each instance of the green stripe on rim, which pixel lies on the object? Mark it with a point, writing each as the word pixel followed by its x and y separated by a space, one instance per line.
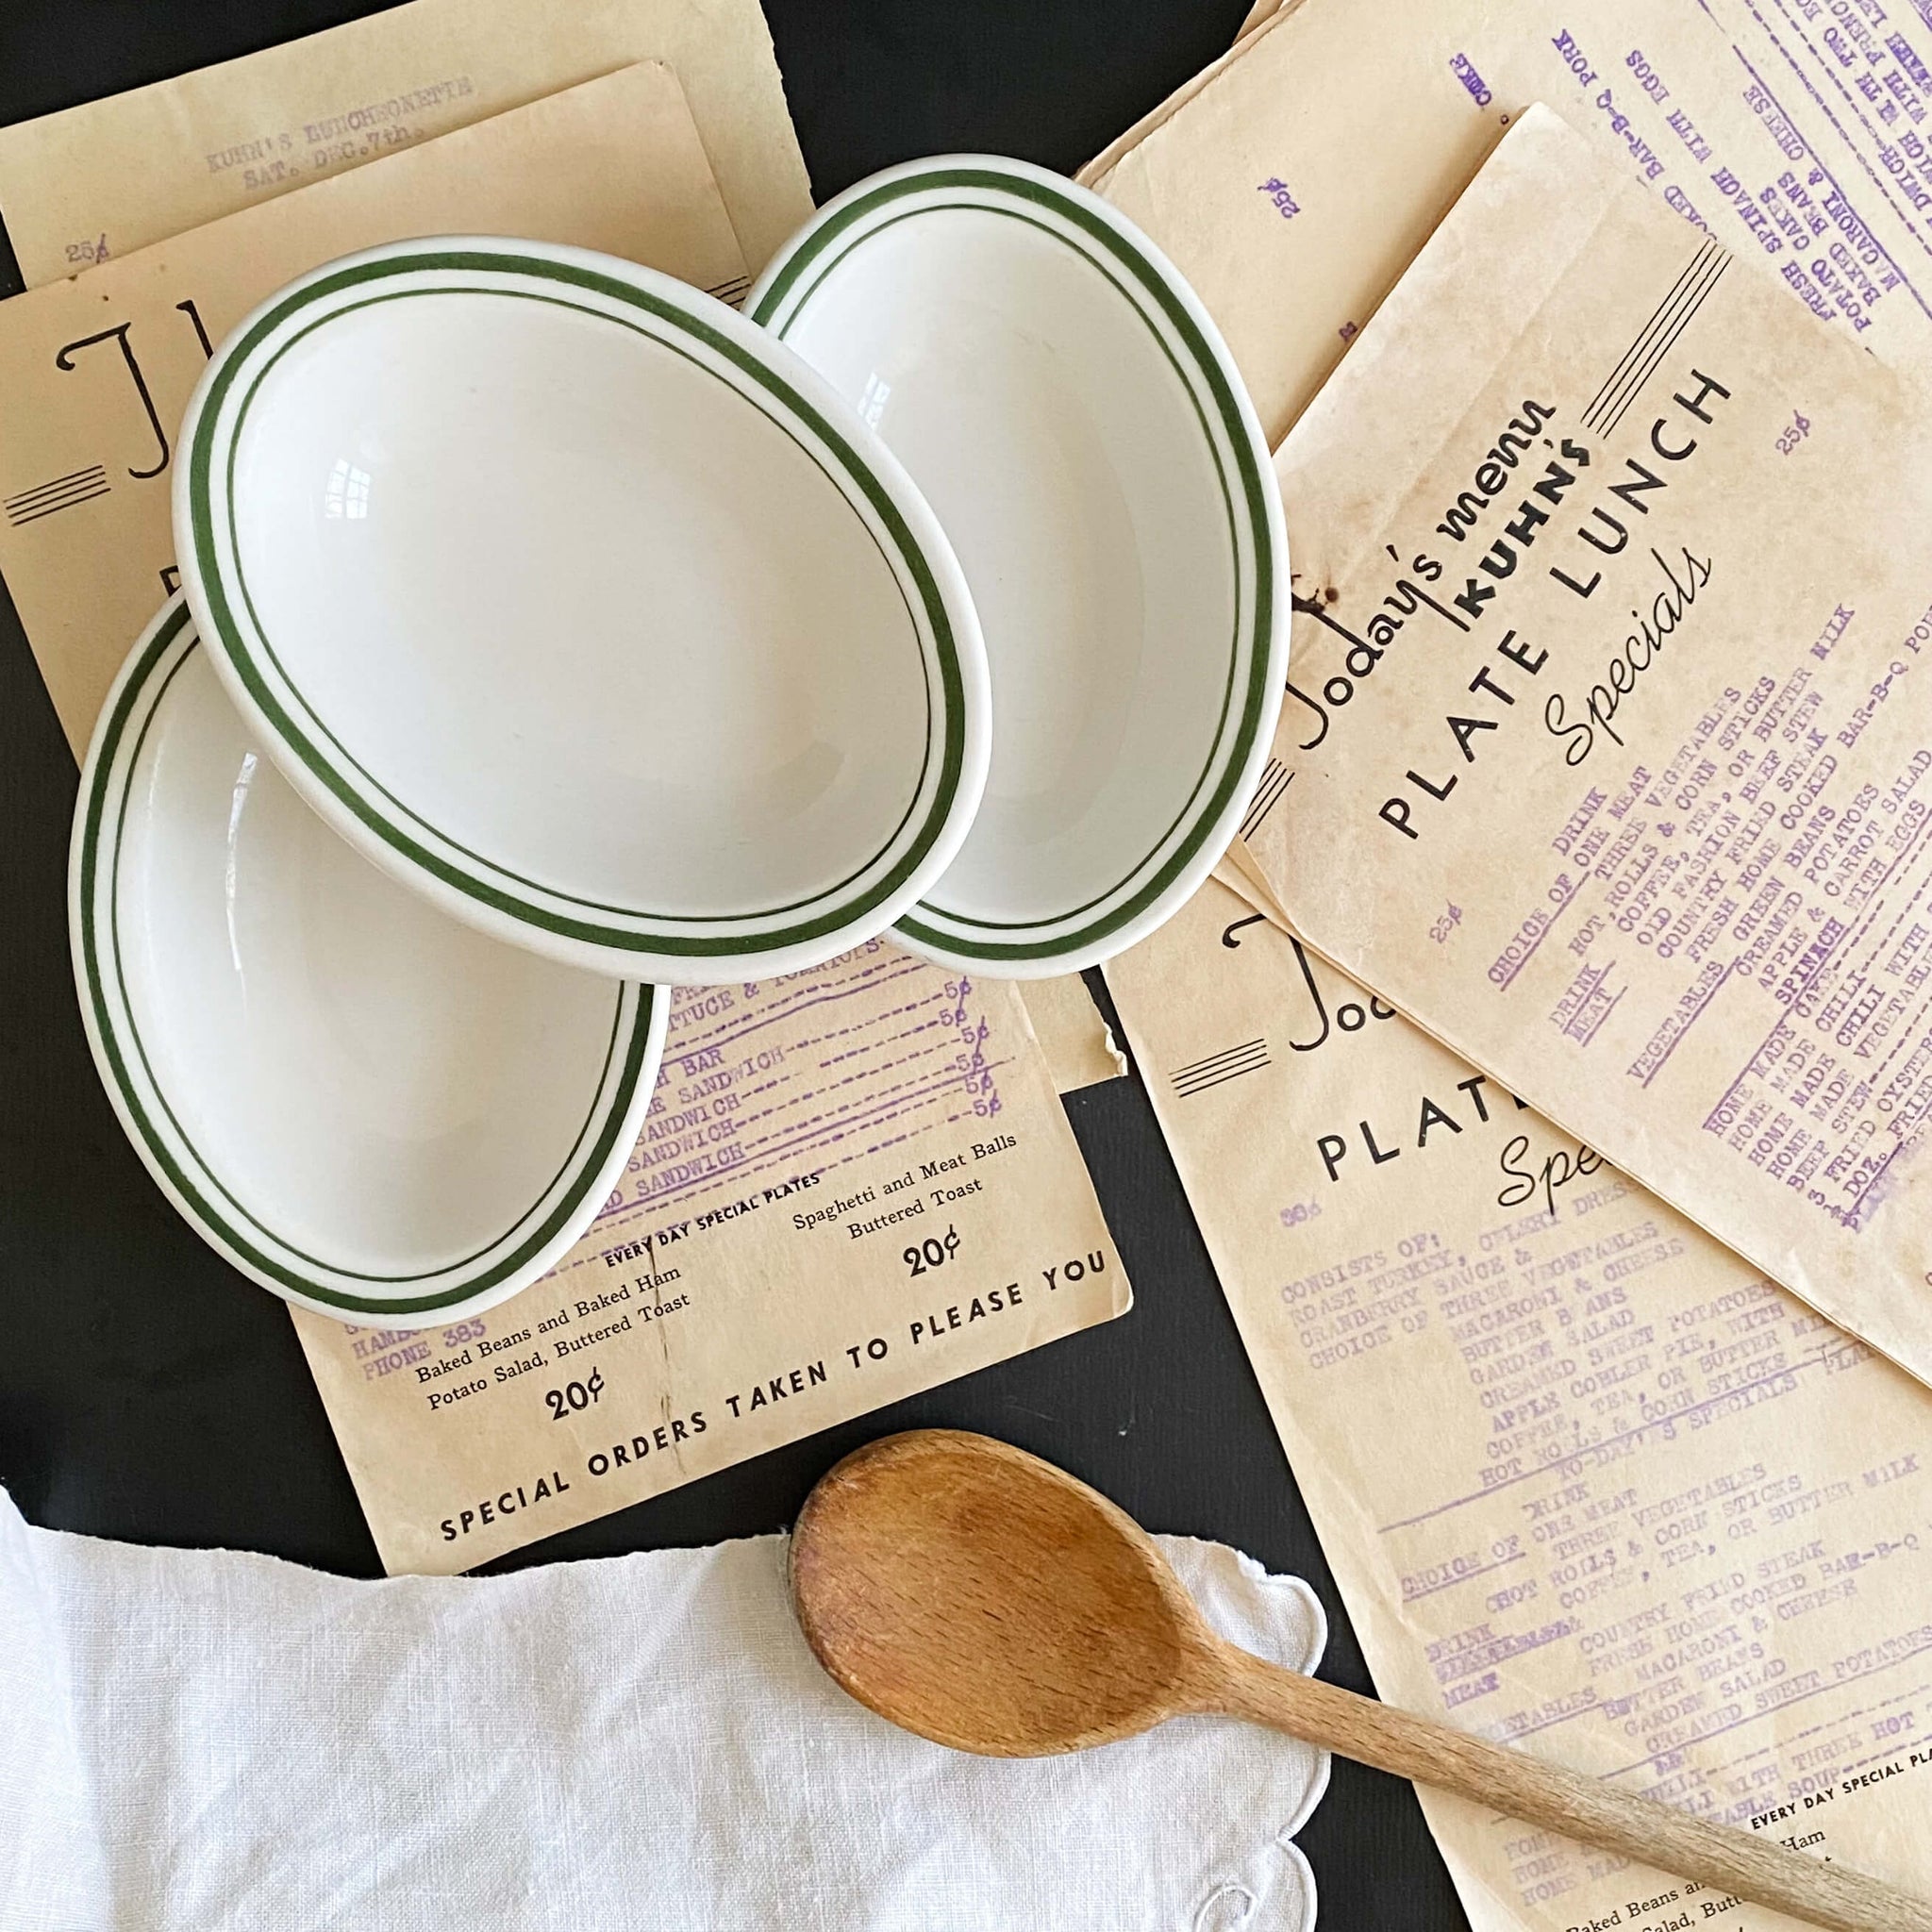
pixel 344 760
pixel 110 788
pixel 483 881
pixel 789 293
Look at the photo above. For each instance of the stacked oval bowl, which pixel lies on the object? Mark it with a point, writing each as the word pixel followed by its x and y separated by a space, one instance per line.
pixel 551 634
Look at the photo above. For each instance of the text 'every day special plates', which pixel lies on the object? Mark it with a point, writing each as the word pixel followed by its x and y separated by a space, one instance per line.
pixel 1071 413
pixel 583 606
pixel 366 1107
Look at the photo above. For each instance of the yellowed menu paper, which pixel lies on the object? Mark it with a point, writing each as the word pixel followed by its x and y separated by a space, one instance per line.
pixel 1294 182
pixel 96 370
pixel 1611 761
pixel 1588 1484
pixel 853 1183
pixel 777 1258
pixel 101 180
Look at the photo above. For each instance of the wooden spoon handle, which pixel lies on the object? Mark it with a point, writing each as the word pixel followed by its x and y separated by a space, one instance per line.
pixel 1588 1809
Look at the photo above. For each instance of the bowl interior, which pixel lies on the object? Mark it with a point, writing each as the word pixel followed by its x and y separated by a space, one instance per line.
pixel 369 1082
pixel 1040 417
pixel 569 598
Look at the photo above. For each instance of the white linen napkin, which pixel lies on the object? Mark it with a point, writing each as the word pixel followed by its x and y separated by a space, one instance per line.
pixel 201 1739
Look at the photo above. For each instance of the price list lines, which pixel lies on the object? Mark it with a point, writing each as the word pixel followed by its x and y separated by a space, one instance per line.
pixel 1841 1087
pixel 849 1060
pixel 1743 1556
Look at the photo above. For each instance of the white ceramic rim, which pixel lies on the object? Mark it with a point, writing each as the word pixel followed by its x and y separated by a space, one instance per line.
pixel 542 1234
pixel 1170 873
pixel 627 941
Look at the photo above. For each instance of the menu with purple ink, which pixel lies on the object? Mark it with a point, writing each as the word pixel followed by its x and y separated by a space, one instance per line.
pixel 1611 764
pixel 854 1182
pixel 1294 182
pixel 1590 1484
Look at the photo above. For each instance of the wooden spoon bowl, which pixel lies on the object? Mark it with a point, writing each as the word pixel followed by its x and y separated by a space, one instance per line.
pixel 983 1598
pixel 946 1583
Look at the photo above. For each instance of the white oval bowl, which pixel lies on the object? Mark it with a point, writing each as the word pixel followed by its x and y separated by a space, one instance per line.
pixel 574 601
pixel 368 1107
pixel 1071 413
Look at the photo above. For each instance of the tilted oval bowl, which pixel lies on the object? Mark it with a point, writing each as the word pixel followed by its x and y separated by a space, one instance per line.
pixel 1074 418
pixel 368 1107
pixel 574 601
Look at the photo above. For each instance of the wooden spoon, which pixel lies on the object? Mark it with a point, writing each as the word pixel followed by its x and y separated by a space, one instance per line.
pixel 987 1600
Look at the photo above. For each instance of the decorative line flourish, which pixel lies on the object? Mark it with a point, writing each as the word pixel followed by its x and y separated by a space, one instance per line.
pixel 1668 321
pixel 1250 1056
pixel 61 492
pixel 1275 779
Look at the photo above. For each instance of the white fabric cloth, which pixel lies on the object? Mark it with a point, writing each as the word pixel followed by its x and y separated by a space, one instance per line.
pixel 193 1742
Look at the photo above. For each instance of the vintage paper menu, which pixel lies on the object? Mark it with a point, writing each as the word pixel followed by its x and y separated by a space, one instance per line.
pixel 1294 181
pixel 1610 762
pixel 96 370
pixel 1588 1484
pixel 103 179
pixel 815 1091
pixel 853 1183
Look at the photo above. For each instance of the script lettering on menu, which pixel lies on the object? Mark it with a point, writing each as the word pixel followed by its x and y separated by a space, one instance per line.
pixel 1588 1484
pixel 1605 763
pixel 97 368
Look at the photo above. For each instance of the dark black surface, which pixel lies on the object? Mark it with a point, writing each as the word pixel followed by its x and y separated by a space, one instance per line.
pixel 148 1392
